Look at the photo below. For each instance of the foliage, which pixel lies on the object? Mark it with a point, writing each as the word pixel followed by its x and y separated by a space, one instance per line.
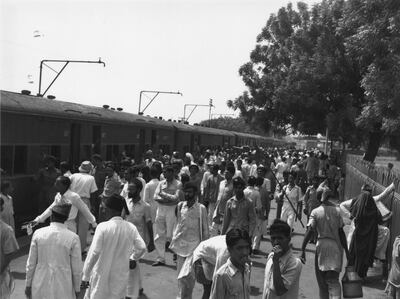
pixel 373 43
pixel 335 65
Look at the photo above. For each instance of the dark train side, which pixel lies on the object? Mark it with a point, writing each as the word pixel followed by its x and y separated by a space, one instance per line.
pixel 32 127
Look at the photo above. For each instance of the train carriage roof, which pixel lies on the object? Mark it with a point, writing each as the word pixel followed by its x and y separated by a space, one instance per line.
pixel 18 103
pixel 32 105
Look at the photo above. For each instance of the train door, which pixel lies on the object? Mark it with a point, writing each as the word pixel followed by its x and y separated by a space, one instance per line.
pixel 198 145
pixel 175 146
pixel 96 139
pixel 75 145
pixel 142 141
pixel 192 142
pixel 153 139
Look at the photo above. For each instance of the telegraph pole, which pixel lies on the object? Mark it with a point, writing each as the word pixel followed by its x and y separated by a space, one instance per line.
pixel 156 92
pixel 59 73
pixel 209 113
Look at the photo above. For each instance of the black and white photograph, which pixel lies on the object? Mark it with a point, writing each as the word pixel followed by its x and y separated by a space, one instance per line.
pixel 199 149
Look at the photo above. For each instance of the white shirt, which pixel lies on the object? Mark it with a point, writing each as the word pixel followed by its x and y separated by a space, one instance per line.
pixel 214 251
pixel 72 198
pixel 107 264
pixel 54 265
pixel 168 192
pixel 148 196
pixel 254 195
pixel 266 185
pixel 280 168
pixel 293 194
pixel 83 184
pixel 253 170
pixel 188 232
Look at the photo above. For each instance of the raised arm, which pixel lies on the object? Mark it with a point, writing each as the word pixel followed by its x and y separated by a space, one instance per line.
pixel 385 192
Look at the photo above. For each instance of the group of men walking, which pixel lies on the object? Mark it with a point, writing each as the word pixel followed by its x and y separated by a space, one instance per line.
pixel 211 213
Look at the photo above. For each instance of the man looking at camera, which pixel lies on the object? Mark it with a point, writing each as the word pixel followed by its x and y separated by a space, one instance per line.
pixel 282 271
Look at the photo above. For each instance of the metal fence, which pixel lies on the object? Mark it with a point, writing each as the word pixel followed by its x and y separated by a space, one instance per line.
pixel 359 172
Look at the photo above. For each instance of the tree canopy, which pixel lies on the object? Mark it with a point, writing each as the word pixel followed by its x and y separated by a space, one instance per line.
pixel 334 65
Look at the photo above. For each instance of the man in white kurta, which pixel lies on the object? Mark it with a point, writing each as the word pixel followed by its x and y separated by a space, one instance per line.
pixel 167 195
pixel 85 185
pixel 115 242
pixel 140 216
pixel 293 193
pixel 66 196
pixel 54 265
pixel 149 190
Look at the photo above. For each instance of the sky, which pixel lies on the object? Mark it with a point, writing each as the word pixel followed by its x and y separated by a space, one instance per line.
pixel 192 46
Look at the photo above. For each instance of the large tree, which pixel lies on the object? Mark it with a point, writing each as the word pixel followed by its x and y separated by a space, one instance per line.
pixel 372 30
pixel 305 71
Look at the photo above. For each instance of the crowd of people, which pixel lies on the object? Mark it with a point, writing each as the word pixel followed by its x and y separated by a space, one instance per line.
pixel 208 211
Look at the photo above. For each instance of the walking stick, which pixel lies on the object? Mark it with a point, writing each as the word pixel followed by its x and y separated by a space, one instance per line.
pixel 279 208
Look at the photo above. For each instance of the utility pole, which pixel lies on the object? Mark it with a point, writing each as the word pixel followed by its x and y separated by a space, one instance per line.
pixel 157 92
pixel 194 107
pixel 209 113
pixel 59 73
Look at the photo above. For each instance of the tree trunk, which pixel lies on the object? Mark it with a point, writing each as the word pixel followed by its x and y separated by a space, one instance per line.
pixel 374 142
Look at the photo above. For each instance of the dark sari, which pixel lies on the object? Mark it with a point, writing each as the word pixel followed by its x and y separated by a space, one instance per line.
pixel 363 243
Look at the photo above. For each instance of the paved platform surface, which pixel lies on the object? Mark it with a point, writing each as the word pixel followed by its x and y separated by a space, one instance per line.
pixel 160 282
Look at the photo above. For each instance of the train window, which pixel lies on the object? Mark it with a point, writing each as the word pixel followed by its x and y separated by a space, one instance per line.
pixel 20 159
pixel 44 150
pixel 87 152
pixel 6 158
pixel 116 150
pixel 109 149
pixel 153 137
pixel 112 152
pixel 55 150
pixel 96 139
pixel 130 150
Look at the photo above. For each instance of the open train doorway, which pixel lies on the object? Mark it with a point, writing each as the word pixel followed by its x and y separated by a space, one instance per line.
pixel 75 146
pixel 96 140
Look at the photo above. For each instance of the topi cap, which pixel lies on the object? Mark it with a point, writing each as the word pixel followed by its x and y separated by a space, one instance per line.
pixel 62 209
pixel 86 166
